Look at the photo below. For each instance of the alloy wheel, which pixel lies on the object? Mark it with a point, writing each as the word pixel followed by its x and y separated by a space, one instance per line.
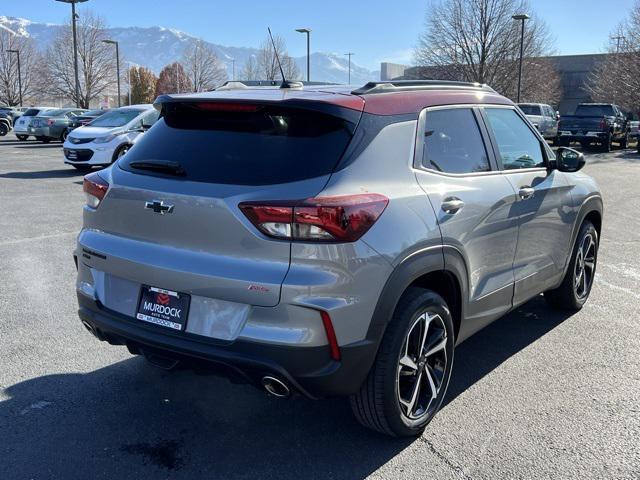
pixel 421 366
pixel 585 266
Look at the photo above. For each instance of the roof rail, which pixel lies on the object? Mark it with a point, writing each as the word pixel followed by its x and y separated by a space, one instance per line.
pixel 407 85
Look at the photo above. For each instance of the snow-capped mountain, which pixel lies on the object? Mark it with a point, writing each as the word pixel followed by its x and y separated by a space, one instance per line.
pixel 155 47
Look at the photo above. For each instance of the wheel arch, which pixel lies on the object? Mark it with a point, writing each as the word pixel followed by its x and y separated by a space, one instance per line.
pixel 440 269
pixel 591 210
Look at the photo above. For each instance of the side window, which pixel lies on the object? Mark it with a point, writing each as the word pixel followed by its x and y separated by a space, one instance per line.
pixel 150 118
pixel 452 142
pixel 518 146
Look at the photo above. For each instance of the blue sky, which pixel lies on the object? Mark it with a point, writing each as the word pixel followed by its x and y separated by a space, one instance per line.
pixel 376 30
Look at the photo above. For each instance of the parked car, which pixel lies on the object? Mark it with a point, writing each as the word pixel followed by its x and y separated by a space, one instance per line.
pixel 21 127
pixel 13 112
pixel 543 117
pixel 601 123
pixel 108 137
pixel 333 243
pixel 85 118
pixel 52 124
pixel 6 123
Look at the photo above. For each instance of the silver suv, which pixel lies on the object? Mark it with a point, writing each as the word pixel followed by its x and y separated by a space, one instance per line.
pixel 333 242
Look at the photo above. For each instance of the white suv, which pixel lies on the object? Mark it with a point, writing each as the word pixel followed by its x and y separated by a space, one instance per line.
pixel 108 137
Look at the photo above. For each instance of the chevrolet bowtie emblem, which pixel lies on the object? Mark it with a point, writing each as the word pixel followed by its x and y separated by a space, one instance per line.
pixel 159 207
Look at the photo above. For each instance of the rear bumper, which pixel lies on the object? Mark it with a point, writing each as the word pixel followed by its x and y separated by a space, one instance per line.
pixel 308 370
pixel 587 137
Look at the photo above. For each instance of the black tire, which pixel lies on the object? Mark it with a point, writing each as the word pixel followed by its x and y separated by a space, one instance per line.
pixel 22 138
pixel 377 404
pixel 63 135
pixel 567 295
pixel 4 129
pixel 563 142
pixel 82 168
pixel 606 144
pixel 122 149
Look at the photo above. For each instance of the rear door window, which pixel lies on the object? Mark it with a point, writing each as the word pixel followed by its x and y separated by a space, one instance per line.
pixel 453 143
pixel 243 144
pixel 519 147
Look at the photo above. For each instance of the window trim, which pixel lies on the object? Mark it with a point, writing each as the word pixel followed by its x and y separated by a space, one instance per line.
pixel 484 136
pixel 544 147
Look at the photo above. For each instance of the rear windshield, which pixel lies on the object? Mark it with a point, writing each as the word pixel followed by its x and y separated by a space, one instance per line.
pixel 594 110
pixel 266 145
pixel 116 118
pixel 530 109
pixel 32 112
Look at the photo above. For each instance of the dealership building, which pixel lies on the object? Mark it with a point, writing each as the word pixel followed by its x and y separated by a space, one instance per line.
pixel 574 70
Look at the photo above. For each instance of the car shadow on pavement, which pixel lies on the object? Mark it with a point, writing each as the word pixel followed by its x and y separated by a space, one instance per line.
pixel 40 145
pixel 489 348
pixel 132 420
pixel 30 175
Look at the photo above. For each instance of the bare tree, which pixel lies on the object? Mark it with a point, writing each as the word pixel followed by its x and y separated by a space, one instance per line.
pixel 143 85
pixel 267 64
pixel 478 41
pixel 173 79
pixel 30 63
pixel 203 67
pixel 617 78
pixel 250 70
pixel 96 62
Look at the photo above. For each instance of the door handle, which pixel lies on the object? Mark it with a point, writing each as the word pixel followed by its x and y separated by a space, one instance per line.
pixel 452 205
pixel 526 192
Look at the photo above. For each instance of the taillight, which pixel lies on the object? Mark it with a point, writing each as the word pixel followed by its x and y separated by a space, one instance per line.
pixel 50 121
pixel 95 187
pixel 603 124
pixel 323 219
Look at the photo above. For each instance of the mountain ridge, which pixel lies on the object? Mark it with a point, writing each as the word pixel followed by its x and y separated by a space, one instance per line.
pixel 156 46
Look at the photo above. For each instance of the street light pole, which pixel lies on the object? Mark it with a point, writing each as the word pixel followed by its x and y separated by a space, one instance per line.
pixel 17 52
pixel 349 54
pixel 308 32
pixel 74 16
pixel 522 17
pixel 113 42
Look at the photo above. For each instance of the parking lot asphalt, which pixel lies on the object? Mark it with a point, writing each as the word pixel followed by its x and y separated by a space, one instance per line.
pixel 538 394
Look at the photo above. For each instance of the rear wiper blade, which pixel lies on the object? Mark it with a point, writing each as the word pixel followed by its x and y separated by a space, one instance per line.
pixel 162 166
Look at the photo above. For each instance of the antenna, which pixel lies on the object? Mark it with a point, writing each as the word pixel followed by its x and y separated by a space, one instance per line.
pixel 285 83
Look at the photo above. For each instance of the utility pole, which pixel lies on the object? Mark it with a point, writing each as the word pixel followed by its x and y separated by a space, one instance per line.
pixel 308 32
pixel 349 54
pixel 74 17
pixel 522 17
pixel 17 52
pixel 113 42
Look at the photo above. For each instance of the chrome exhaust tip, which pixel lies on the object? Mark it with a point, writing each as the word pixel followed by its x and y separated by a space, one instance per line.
pixel 275 386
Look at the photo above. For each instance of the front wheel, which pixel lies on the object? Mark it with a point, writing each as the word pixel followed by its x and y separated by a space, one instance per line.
pixel 4 129
pixel 122 150
pixel 409 378
pixel 606 144
pixel 22 138
pixel 578 280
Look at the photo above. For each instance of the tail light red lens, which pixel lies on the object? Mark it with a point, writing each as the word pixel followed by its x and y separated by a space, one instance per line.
pixel 323 219
pixel 50 121
pixel 95 187
pixel 603 124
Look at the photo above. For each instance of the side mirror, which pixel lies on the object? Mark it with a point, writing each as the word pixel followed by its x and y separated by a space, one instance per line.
pixel 557 115
pixel 569 160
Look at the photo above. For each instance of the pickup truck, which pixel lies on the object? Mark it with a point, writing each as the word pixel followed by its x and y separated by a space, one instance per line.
pixel 601 123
